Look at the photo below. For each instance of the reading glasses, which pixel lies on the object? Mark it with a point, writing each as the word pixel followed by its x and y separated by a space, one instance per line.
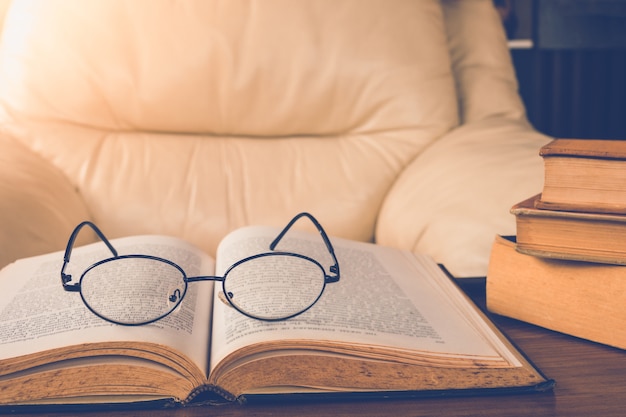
pixel 140 289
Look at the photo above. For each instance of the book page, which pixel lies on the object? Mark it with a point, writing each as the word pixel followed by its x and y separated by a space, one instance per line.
pixel 37 314
pixel 385 298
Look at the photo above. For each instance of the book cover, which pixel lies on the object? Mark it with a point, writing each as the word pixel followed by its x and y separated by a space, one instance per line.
pixel 585 148
pixel 591 237
pixel 584 175
pixel 582 299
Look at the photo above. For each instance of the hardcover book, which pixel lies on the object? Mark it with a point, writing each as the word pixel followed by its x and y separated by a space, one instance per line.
pixel 586 175
pixel 589 237
pixel 582 299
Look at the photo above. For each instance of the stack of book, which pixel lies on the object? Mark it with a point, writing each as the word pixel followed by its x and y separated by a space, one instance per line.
pixel 565 270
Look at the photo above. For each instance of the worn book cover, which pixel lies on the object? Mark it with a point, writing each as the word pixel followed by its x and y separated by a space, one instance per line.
pixel 582 299
pixel 586 175
pixel 591 237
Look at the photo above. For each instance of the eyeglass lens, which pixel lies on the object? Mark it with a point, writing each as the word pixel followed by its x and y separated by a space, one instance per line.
pixel 133 290
pixel 274 286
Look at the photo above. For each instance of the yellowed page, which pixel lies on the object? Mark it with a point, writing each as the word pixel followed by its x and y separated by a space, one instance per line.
pixel 37 314
pixel 385 298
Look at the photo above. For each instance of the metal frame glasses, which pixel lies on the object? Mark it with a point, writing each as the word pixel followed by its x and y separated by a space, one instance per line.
pixel 269 286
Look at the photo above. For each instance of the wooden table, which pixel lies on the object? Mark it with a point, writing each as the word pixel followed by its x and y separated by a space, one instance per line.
pixel 591 381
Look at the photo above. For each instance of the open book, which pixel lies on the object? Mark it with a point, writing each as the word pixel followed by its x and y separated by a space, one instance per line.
pixel 394 324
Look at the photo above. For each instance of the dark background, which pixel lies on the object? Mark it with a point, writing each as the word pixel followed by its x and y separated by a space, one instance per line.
pixel 572 76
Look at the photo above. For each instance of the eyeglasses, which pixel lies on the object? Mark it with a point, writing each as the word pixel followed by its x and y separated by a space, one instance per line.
pixel 141 289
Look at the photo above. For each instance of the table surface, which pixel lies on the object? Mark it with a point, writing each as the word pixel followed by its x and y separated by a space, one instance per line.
pixel 590 381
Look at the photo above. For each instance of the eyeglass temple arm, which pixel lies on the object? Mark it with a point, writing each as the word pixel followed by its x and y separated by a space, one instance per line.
pixel 66 278
pixel 334 268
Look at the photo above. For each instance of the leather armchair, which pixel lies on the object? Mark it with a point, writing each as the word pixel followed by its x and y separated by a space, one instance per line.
pixel 395 122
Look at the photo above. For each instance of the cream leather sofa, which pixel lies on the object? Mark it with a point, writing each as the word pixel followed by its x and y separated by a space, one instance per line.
pixel 391 121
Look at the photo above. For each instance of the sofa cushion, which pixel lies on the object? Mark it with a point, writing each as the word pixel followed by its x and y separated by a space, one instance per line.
pixel 456 196
pixel 37 205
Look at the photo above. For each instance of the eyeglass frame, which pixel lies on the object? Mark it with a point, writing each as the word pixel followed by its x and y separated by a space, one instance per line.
pixel 69 286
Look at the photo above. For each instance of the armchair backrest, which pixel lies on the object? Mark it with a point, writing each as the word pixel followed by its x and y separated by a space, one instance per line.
pixel 194 117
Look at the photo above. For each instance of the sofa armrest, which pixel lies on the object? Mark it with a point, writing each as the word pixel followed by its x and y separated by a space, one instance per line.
pixel 38 205
pixel 455 197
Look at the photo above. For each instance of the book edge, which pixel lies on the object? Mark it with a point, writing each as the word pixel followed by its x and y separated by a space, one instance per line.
pixel 581 148
pixel 529 208
pixel 597 208
pixel 544 386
